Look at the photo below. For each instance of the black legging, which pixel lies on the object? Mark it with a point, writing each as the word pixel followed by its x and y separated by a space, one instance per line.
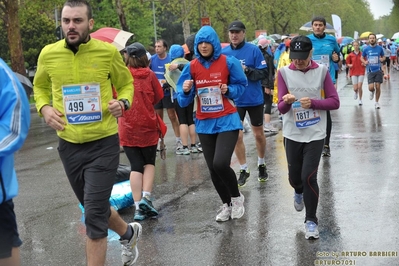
pixel 185 114
pixel 218 149
pixel 329 127
pixel 303 162
pixel 268 101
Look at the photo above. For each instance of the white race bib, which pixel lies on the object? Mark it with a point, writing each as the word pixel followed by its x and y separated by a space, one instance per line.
pixel 211 99
pixel 305 117
pixel 82 103
pixel 323 59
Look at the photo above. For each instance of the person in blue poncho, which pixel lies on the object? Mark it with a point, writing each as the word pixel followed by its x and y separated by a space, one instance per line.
pixel 15 121
pixel 217 81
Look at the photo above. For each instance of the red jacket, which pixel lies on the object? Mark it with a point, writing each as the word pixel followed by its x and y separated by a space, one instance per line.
pixel 357 68
pixel 138 127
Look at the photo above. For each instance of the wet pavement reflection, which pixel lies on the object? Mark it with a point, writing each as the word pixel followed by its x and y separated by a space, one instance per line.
pixel 358 214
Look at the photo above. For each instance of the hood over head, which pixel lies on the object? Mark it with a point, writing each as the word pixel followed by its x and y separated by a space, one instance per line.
pixel 176 51
pixel 209 35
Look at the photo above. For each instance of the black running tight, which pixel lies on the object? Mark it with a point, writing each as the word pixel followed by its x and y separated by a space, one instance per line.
pixel 329 127
pixel 303 162
pixel 218 149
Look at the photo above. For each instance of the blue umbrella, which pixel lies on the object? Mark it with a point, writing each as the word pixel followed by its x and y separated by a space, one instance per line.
pixel 308 27
pixel 345 40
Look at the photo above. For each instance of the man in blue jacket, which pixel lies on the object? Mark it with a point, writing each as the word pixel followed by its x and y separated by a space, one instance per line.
pixel 325 52
pixel 15 121
pixel 255 68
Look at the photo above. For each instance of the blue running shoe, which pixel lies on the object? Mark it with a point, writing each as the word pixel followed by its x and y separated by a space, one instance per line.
pixel 146 205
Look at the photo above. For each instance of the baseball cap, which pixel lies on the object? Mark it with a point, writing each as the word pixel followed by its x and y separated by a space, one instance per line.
pixel 300 47
pixel 236 25
pixel 136 50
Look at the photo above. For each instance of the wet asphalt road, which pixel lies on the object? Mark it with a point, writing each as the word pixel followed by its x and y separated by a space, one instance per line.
pixel 358 213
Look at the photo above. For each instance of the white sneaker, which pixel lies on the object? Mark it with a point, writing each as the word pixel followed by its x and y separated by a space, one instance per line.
pixel 371 95
pixel 130 253
pixel 360 102
pixel 355 95
pixel 311 230
pixel 298 202
pixel 377 105
pixel 179 145
pixel 269 128
pixel 194 149
pixel 182 151
pixel 224 213
pixel 237 210
pixel 246 126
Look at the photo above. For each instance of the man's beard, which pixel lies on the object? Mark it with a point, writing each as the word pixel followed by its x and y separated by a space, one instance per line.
pixel 77 41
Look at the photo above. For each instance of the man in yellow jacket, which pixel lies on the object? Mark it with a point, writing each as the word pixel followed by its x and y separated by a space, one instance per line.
pixel 73 92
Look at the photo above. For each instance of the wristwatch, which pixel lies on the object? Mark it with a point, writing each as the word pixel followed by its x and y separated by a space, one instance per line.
pixel 126 104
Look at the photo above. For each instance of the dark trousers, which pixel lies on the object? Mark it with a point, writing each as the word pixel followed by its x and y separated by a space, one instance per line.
pixel 218 149
pixel 303 162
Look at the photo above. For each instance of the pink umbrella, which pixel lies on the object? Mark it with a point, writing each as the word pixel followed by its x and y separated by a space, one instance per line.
pixel 113 36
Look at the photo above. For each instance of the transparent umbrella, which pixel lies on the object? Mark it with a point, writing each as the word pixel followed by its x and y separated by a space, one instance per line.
pixel 308 27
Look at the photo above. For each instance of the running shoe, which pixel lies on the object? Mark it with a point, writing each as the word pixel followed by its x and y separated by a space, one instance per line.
pixel 199 146
pixel 194 149
pixel 360 102
pixel 223 213
pixel 269 128
pixel 371 95
pixel 311 230
pixel 298 202
pixel 130 252
pixel 377 105
pixel 242 180
pixel 263 176
pixel 179 145
pixel 326 151
pixel 182 151
pixel 237 209
pixel 139 215
pixel 355 95
pixel 145 204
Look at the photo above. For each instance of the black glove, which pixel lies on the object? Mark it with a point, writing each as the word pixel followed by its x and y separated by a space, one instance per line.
pixel 166 86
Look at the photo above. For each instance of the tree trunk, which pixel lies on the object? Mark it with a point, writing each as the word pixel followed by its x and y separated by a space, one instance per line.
pixel 11 22
pixel 121 15
pixel 185 21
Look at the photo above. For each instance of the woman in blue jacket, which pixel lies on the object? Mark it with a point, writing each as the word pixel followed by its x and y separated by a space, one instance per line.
pixel 217 81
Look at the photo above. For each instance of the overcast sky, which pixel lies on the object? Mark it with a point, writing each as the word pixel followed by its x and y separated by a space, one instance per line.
pixel 380 7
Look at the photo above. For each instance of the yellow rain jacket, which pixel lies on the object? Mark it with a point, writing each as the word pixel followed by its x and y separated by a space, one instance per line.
pixel 284 61
pixel 95 62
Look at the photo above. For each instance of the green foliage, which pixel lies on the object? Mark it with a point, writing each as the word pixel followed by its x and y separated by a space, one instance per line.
pixel 138 16
pixel 38 24
pixel 37 30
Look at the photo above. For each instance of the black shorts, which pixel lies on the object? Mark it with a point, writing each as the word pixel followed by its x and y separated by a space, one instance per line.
pixel 185 114
pixel 375 77
pixel 165 103
pixel 8 230
pixel 91 169
pixel 387 61
pixel 140 156
pixel 255 114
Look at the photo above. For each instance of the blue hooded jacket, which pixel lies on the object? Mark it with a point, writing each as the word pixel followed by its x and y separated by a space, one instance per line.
pixel 236 84
pixel 176 51
pixel 14 126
